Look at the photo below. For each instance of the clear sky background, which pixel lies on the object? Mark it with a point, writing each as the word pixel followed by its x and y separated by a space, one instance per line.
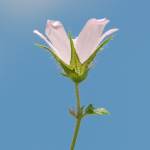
pixel 34 97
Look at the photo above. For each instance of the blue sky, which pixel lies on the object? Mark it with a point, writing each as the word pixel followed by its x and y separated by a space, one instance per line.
pixel 34 97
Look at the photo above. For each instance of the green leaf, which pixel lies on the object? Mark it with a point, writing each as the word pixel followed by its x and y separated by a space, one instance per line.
pixel 101 111
pixel 91 110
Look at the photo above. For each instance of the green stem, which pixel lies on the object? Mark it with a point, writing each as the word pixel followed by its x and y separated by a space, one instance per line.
pixel 78 119
pixel 78 96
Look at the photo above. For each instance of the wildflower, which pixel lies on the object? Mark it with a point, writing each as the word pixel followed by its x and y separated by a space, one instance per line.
pixel 75 55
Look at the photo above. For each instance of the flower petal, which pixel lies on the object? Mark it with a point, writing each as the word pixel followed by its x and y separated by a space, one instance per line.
pixel 107 34
pixel 59 39
pixel 88 39
pixel 47 41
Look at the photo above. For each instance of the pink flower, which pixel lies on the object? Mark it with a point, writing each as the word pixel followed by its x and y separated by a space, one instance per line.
pixel 85 44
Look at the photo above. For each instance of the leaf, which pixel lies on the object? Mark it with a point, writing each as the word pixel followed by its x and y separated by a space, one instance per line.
pixel 91 110
pixel 101 111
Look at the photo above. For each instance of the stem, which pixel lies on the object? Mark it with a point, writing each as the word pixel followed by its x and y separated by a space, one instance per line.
pixel 78 119
pixel 78 96
pixel 76 131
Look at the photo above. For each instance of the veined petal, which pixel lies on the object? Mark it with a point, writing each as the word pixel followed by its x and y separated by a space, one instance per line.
pixel 88 39
pixel 48 42
pixel 58 37
pixel 107 34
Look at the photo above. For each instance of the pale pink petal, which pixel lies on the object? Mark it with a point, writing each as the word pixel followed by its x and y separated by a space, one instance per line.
pixel 48 42
pixel 107 34
pixel 58 37
pixel 88 39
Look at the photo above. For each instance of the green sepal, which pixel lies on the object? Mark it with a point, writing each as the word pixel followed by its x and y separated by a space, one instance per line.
pixel 91 110
pixel 74 62
pixel 98 49
pixel 65 66
pixel 78 72
pixel 52 52
pixel 73 71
